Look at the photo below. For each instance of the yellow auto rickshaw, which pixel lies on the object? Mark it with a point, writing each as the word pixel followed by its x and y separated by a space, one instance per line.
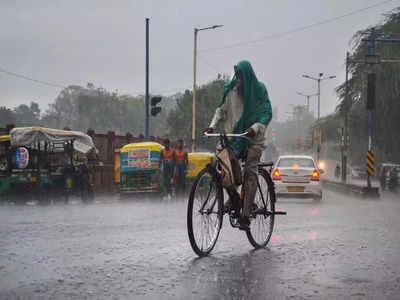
pixel 197 162
pixel 117 166
pixel 140 168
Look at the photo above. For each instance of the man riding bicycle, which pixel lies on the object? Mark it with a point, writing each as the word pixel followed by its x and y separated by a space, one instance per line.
pixel 245 108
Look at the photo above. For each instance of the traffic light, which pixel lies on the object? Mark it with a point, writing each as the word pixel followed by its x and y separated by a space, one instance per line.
pixel 155 110
pixel 273 138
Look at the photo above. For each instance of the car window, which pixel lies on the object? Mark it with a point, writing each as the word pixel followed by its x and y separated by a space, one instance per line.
pixel 296 162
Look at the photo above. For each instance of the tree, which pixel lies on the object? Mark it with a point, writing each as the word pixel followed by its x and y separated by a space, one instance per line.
pixel 82 108
pixel 27 115
pixel 293 135
pixel 7 116
pixel 387 113
pixel 179 120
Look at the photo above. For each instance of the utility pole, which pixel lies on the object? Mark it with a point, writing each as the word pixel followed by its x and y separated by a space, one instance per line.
pixel 319 79
pixel 346 113
pixel 371 51
pixel 147 122
pixel 194 92
pixel 308 96
pixel 372 59
pixel 196 30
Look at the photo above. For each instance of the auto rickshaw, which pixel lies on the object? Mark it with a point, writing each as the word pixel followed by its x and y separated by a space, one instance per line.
pixel 140 168
pixel 197 162
pixel 117 166
pixel 39 161
pixel 4 166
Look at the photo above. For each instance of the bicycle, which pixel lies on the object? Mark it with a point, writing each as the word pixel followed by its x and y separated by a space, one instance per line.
pixel 206 201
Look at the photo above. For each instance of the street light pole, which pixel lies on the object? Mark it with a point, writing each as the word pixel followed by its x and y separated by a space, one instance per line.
pixel 319 97
pixel 147 122
pixel 194 93
pixel 319 79
pixel 308 96
pixel 196 30
pixel 346 121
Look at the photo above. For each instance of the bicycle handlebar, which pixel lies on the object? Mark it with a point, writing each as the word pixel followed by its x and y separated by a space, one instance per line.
pixel 227 135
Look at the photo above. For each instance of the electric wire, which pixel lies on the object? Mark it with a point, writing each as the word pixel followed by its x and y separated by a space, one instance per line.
pixel 295 30
pixel 31 79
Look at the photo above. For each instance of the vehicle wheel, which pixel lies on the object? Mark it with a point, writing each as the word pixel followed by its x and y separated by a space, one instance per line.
pixel 318 198
pixel 43 196
pixel 66 196
pixel 262 222
pixel 205 212
pixel 87 194
pixel 3 164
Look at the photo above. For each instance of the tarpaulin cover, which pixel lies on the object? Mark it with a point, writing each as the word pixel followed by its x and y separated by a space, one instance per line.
pixel 26 136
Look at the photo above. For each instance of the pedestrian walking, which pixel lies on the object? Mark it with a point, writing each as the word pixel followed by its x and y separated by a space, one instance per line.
pixel 167 161
pixel 337 171
pixel 181 165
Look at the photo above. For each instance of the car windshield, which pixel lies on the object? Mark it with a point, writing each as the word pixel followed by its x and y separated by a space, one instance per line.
pixel 294 162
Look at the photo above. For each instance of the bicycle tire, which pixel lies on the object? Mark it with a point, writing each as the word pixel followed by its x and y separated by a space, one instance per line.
pixel 206 208
pixel 261 239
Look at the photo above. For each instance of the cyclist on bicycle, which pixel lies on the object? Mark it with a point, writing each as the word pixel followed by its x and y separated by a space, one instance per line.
pixel 245 107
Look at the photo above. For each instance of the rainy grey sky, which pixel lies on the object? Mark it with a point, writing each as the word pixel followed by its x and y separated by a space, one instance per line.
pixel 103 42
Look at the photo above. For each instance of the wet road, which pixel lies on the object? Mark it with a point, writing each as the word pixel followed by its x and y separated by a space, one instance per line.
pixel 343 248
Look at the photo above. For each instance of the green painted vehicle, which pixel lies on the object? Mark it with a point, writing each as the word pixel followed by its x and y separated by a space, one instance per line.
pixel 140 168
pixel 39 163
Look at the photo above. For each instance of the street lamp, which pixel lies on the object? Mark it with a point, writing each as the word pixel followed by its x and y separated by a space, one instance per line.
pixel 318 80
pixel 196 30
pixel 308 96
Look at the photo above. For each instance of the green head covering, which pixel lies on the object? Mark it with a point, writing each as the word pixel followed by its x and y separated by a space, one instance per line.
pixel 256 103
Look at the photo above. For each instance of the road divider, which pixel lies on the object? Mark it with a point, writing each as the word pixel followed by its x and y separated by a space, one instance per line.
pixel 351 188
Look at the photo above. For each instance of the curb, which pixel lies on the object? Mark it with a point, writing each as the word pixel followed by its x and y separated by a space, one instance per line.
pixel 357 190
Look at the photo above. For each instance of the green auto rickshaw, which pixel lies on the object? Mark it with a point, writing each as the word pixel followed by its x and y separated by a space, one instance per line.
pixel 140 168
pixel 37 162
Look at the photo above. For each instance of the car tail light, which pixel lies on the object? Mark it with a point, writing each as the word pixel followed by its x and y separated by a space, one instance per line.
pixel 276 175
pixel 315 175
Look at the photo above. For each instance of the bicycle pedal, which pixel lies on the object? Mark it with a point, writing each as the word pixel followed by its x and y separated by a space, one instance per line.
pixel 234 222
pixel 283 213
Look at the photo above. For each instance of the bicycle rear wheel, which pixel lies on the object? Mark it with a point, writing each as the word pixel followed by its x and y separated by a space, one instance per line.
pixel 262 221
pixel 205 212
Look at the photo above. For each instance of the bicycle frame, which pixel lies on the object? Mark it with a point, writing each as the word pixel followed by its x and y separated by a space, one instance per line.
pixel 209 212
pixel 224 142
pixel 261 167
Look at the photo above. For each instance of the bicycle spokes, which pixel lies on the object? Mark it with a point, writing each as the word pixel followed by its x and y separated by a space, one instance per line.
pixel 204 213
pixel 262 220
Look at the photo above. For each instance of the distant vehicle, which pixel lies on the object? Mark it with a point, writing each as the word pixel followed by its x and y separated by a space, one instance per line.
pixel 41 162
pixel 139 168
pixel 297 175
pixel 322 165
pixel 358 173
pixel 389 176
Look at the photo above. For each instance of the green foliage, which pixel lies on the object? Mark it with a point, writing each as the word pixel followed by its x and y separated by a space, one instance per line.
pixel 81 108
pixel 7 116
pixel 27 115
pixel 179 121
pixel 96 108
pixel 294 132
pixel 387 114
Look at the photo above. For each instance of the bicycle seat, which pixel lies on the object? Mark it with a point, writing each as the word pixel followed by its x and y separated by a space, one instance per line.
pixel 266 164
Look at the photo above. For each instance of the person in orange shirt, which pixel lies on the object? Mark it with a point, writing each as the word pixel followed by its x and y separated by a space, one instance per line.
pixel 181 165
pixel 167 159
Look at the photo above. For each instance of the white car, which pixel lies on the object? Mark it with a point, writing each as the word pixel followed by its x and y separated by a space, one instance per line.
pixel 296 175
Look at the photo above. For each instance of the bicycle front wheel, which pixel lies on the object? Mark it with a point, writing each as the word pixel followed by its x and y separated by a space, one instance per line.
pixel 263 218
pixel 205 212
